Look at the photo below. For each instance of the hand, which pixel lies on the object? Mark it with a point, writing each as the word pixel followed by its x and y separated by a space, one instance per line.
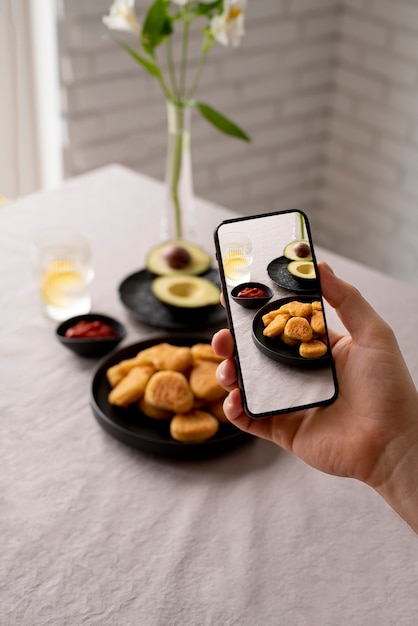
pixel 370 432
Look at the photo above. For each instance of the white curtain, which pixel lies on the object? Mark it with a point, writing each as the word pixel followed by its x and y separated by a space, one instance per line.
pixel 30 149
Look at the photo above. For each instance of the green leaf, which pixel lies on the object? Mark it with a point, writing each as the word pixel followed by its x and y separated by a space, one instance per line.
pixel 148 65
pixel 157 26
pixel 220 122
pixel 204 8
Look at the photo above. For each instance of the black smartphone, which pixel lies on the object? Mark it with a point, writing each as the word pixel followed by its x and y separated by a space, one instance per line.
pixel 276 313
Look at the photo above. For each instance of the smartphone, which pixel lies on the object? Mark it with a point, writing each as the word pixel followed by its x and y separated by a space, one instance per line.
pixel 275 312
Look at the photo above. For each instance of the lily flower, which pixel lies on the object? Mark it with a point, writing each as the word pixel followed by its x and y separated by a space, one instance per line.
pixel 228 28
pixel 122 17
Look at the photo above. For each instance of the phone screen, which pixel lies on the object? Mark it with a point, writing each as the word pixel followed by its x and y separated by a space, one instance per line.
pixel 284 362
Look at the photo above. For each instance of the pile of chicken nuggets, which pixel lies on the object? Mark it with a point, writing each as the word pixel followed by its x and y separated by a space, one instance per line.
pixel 299 324
pixel 176 383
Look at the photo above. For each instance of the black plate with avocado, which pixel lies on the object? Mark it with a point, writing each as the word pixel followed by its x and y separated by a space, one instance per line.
pixel 136 295
pixel 278 272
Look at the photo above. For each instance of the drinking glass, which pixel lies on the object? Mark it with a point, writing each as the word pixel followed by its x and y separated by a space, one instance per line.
pixel 236 250
pixel 61 259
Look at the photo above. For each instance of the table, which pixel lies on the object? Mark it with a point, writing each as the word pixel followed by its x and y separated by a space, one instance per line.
pixel 94 532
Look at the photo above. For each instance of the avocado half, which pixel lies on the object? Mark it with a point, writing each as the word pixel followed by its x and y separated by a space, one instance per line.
pixel 298 250
pixel 185 292
pixel 303 270
pixel 163 259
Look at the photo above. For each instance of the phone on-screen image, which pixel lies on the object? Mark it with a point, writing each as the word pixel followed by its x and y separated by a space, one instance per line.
pixel 276 312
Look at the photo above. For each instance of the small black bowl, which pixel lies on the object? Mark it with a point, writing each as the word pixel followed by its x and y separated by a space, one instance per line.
pixel 90 346
pixel 251 303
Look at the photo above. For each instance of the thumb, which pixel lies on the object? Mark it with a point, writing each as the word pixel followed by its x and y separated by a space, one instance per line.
pixel 357 315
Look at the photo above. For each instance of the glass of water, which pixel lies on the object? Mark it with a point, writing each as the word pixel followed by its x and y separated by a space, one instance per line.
pixel 236 250
pixel 61 260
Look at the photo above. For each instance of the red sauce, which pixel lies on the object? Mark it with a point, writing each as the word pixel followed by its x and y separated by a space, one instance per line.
pixel 252 292
pixel 90 330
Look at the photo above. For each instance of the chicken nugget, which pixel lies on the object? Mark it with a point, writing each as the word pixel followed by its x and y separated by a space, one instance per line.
pixel 216 408
pixel 169 391
pixel 115 373
pixel 276 326
pixel 269 317
pixel 318 322
pixel 298 328
pixel 169 357
pixel 204 351
pixel 316 306
pixel 299 309
pixel 193 426
pixel 312 349
pixel 288 340
pixel 153 412
pixel 203 381
pixel 132 387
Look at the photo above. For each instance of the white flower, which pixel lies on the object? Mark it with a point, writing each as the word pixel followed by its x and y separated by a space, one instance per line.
pixel 228 28
pixel 181 2
pixel 122 17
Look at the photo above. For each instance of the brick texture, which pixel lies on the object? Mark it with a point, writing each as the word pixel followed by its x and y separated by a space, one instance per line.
pixel 327 90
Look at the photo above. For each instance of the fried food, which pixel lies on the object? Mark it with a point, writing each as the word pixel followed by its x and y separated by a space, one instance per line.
pixel 203 381
pixel 117 372
pixel 170 391
pixel 298 309
pixel 298 328
pixel 318 322
pixel 276 326
pixel 216 408
pixel 312 349
pixel 151 411
pixel 168 357
pixel 304 323
pixel 269 317
pixel 193 426
pixel 163 394
pixel 289 341
pixel 132 386
pixel 204 351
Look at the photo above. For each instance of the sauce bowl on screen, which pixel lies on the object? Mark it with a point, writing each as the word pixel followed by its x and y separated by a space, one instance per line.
pixel 251 302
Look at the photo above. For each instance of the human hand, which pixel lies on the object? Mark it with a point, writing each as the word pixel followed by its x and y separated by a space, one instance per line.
pixel 371 429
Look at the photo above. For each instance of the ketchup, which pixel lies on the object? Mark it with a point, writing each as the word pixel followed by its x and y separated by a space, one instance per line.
pixel 252 292
pixel 90 330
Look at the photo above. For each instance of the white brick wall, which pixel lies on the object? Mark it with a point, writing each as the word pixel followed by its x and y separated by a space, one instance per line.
pixel 328 91
pixel 368 204
pixel 273 86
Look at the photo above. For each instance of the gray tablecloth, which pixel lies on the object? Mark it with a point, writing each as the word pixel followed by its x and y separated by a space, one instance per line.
pixel 94 532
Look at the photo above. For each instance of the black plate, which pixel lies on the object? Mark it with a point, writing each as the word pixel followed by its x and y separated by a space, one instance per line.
pixel 279 274
pixel 135 293
pixel 135 429
pixel 274 348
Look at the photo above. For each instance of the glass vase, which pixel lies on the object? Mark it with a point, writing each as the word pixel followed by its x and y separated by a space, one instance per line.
pixel 178 221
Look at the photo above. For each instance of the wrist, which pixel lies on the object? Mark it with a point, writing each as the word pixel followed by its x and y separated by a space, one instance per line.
pixel 398 471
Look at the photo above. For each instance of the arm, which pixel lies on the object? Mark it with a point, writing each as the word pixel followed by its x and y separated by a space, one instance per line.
pixel 371 431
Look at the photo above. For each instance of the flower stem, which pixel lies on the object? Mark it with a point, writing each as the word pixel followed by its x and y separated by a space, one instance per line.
pixel 171 69
pixel 174 161
pixel 302 226
pixel 197 75
pixel 183 65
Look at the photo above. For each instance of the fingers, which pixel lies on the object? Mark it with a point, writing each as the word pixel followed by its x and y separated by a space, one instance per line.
pixel 226 374
pixel 357 315
pixel 223 343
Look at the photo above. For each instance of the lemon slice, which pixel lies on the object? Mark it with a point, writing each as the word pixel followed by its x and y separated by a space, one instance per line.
pixel 61 285
pixel 234 264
